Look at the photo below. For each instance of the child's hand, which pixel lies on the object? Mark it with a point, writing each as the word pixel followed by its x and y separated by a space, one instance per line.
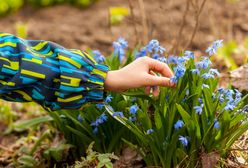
pixel 140 73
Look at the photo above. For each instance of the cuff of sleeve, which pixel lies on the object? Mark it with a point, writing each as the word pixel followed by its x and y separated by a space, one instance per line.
pixel 96 83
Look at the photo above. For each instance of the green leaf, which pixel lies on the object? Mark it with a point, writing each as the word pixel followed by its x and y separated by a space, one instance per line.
pixel 27 161
pixel 185 116
pixel 157 119
pixel 23 125
pixel 138 94
pixel 242 129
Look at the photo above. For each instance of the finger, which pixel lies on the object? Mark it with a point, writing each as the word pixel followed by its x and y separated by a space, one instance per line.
pixel 160 67
pixel 147 90
pixel 155 91
pixel 158 81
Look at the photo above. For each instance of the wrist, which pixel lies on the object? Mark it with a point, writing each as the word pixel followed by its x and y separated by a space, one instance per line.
pixel 111 81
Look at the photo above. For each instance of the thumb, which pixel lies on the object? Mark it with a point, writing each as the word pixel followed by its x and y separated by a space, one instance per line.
pixel 158 81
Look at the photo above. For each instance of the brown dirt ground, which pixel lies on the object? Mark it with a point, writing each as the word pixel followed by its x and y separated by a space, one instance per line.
pixel 89 28
pixel 76 28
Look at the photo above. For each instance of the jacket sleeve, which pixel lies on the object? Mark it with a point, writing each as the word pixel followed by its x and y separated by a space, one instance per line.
pixel 47 73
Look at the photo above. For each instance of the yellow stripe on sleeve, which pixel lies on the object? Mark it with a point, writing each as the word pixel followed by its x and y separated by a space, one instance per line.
pixel 70 99
pixel 98 72
pixel 5 34
pixel 89 57
pixel 25 95
pixel 69 60
pixel 7 83
pixel 13 65
pixel 33 60
pixel 40 45
pixel 34 74
pixel 73 81
pixel 8 44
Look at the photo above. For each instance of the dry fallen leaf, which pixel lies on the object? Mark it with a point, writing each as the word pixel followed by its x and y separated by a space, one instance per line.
pixel 239 78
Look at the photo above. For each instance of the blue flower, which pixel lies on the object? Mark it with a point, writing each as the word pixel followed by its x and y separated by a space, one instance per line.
pixel 101 119
pixel 207 76
pixel 221 99
pixel 149 131
pixel 155 56
pixel 205 86
pixel 172 60
pixel 79 118
pixel 132 119
pixel 178 124
pixel 238 95
pixel 216 124
pixel 245 108
pixel 204 63
pixel 200 100
pixel 174 79
pixel 182 60
pixel 187 92
pixel 162 59
pixel 119 114
pixel 189 54
pixel 214 47
pixel 195 71
pixel 221 90
pixel 142 53
pixel 119 48
pixel 98 56
pixel 100 106
pixel 95 130
pixel 183 140
pixel 179 71
pixel 108 99
pixel 152 45
pixel 159 49
pixel 214 72
pixel 122 42
pixel 133 109
pixel 198 109
pixel 229 106
pixel 133 100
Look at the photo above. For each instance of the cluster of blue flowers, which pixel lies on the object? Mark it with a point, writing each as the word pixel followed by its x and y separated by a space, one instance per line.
pixel 98 56
pixel 214 47
pixel 119 48
pixel 133 111
pixel 231 97
pixel 101 119
pixel 153 48
pixel 118 113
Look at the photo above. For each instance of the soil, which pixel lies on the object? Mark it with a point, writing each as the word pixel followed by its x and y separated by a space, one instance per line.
pixel 89 28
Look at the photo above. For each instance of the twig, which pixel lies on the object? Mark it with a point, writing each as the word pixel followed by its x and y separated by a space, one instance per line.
pixel 175 47
pixel 197 16
pixel 131 6
pixel 144 21
pixel 238 149
pixel 5 149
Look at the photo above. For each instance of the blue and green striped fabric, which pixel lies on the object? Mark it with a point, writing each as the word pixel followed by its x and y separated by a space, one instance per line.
pixel 49 74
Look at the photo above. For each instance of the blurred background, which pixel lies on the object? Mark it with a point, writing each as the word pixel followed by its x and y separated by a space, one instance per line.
pixel 82 24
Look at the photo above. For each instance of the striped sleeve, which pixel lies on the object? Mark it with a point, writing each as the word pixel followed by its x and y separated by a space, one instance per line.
pixel 49 74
